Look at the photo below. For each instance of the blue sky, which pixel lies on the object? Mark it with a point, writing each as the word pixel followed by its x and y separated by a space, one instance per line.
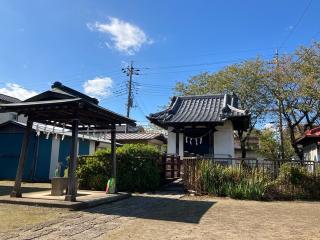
pixel 84 44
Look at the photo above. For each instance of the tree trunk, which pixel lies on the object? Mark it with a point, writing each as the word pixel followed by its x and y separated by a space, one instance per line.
pixel 242 141
pixel 243 149
pixel 294 145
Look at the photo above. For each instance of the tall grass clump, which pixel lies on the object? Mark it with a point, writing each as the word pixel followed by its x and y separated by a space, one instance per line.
pixel 232 181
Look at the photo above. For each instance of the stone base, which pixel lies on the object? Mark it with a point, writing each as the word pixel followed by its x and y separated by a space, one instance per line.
pixel 15 194
pixel 58 186
pixel 70 198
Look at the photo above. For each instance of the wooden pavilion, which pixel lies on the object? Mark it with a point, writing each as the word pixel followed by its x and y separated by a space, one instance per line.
pixel 202 124
pixel 64 107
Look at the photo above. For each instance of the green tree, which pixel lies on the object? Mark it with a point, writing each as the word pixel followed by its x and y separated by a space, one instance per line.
pixel 269 145
pixel 294 83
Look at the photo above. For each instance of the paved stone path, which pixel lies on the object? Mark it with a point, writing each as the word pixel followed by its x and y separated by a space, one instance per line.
pixel 94 223
pixel 166 216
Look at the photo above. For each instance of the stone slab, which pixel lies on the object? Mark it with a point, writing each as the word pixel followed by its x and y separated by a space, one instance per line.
pixel 85 199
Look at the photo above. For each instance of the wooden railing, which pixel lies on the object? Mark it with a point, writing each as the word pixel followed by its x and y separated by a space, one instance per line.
pixel 170 167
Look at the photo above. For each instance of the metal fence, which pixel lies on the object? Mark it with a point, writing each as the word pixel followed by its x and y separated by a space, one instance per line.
pixel 265 168
pixel 267 165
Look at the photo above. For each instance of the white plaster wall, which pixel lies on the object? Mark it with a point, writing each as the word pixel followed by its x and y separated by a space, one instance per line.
pixel 103 145
pixel 311 152
pixel 22 118
pixel 54 156
pixel 171 141
pixel 224 140
pixel 92 147
pixel 181 145
pixel 4 117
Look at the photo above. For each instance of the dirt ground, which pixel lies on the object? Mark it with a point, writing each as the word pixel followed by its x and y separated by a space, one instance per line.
pixel 15 216
pixel 219 218
pixel 164 215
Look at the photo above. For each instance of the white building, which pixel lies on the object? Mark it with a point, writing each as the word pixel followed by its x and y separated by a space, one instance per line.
pixel 310 143
pixel 10 116
pixel 202 125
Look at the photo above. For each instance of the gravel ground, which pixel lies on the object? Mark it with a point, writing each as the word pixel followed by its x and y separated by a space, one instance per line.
pixel 166 216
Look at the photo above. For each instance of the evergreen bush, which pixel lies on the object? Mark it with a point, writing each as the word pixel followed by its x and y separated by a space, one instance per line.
pixel 137 169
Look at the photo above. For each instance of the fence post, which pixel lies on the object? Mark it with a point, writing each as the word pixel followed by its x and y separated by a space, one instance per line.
pixel 178 166
pixel 163 166
pixel 172 157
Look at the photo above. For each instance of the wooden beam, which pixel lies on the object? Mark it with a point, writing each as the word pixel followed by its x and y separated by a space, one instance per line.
pixel 211 142
pixel 16 192
pixel 113 154
pixel 72 179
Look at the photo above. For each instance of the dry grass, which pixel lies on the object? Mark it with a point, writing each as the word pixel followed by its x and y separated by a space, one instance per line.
pixel 14 216
pixel 231 219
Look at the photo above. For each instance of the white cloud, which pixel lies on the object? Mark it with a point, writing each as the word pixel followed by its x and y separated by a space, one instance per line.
pixel 126 37
pixel 270 126
pixel 98 87
pixel 17 91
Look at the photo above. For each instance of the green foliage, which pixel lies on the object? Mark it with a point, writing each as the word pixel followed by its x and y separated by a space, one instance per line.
pixel 269 145
pixel 293 83
pixel 232 181
pixel 137 169
pixel 94 172
pixel 293 182
pixel 292 174
pixel 297 181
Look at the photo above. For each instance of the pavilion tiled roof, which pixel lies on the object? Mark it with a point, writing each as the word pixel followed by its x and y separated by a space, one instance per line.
pixel 137 136
pixel 214 108
pixel 63 103
pixel 8 99
pixel 310 136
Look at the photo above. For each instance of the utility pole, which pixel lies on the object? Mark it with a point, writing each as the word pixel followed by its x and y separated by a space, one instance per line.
pixel 130 71
pixel 279 107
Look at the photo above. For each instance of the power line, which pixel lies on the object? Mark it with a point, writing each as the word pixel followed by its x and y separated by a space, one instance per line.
pixel 130 71
pixel 296 25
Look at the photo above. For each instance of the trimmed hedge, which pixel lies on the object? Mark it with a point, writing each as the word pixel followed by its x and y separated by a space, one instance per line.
pixel 137 169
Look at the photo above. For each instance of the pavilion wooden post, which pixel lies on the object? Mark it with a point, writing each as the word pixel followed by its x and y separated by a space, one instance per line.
pixel 16 192
pixel 113 155
pixel 211 142
pixel 72 178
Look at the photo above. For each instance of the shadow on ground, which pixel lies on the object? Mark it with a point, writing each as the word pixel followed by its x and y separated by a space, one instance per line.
pixel 156 208
pixel 6 190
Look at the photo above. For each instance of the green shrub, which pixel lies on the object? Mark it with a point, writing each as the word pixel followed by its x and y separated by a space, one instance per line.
pixel 93 173
pixel 292 174
pixel 293 182
pixel 232 181
pixel 137 169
